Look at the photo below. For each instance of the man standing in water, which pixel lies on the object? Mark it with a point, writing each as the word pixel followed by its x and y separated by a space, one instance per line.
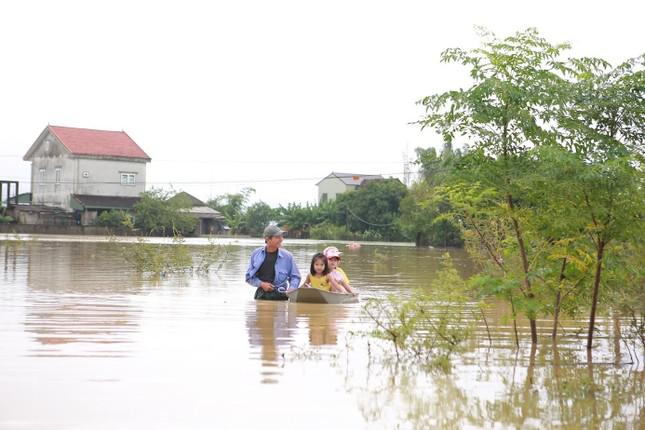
pixel 272 269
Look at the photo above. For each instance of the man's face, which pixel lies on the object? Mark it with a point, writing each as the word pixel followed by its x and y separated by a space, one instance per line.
pixel 333 262
pixel 274 241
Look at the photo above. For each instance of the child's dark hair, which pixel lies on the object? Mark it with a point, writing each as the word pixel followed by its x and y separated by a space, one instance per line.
pixel 319 256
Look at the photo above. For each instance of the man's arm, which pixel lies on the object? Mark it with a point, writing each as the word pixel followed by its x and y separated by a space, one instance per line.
pixel 251 274
pixel 294 276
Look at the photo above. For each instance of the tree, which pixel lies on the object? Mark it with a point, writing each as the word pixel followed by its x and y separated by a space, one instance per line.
pixel 374 207
pixel 300 219
pixel 502 114
pixel 604 126
pixel 155 214
pixel 232 206
pixel 257 217
pixel 424 213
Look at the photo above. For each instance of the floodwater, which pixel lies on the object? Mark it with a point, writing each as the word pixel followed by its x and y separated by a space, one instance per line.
pixel 86 342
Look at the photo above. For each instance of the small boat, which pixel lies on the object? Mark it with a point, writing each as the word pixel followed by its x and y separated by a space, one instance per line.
pixel 314 295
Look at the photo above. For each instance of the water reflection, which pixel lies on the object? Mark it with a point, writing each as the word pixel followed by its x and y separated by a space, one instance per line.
pixel 83 321
pixel 322 321
pixel 275 327
pixel 269 328
pixel 76 306
pixel 544 388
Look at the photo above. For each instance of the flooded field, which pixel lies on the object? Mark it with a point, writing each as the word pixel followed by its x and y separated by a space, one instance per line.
pixel 87 342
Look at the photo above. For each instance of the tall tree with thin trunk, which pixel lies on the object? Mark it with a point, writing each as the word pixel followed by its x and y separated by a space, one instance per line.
pixel 603 125
pixel 502 115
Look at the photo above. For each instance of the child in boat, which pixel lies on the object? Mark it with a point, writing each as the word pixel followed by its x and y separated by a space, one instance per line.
pixel 333 257
pixel 320 277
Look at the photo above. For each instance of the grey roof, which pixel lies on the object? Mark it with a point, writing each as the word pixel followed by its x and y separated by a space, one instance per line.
pixel 197 207
pixel 187 199
pixel 85 201
pixel 351 178
pixel 205 212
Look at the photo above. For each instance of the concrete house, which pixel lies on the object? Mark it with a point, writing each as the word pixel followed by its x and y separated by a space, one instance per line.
pixel 337 183
pixel 86 171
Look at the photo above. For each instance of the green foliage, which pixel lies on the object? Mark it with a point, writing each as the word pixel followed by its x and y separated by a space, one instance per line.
pixel 161 259
pixel 429 326
pixel 233 207
pixel 424 217
pixel 374 206
pixel 257 217
pixel 154 213
pixel 6 219
pixel 210 255
pixel 300 220
pixel 115 219
pixel 157 259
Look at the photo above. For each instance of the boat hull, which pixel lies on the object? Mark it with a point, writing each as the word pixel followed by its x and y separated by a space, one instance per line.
pixel 314 295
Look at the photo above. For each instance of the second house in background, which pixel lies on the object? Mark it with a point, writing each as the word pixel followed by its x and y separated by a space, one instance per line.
pixel 337 183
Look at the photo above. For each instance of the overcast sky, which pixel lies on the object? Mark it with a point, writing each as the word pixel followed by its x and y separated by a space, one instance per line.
pixel 268 94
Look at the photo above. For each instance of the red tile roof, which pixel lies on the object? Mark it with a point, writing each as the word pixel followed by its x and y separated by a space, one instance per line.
pixel 83 141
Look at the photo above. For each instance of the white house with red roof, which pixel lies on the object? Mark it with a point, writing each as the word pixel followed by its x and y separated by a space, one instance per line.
pixel 86 170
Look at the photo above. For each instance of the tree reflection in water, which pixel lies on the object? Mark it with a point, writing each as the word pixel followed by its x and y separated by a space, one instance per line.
pixel 545 389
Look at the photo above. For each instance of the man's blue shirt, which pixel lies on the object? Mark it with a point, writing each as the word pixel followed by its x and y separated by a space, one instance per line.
pixel 287 274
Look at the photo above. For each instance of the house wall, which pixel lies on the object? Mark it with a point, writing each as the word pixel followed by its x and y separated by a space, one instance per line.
pixel 94 176
pixel 103 177
pixel 332 186
pixel 49 156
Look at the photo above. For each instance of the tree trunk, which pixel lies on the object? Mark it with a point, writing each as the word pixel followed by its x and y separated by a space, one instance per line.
pixel 596 288
pixel 525 267
pixel 558 299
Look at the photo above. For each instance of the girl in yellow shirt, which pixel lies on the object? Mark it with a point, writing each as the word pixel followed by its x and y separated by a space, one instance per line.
pixel 319 276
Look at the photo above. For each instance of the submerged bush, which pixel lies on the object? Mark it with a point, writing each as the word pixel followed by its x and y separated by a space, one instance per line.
pixel 430 325
pixel 162 259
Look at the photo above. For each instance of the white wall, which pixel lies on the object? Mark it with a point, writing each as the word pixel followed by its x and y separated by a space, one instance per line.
pixel 332 186
pixel 51 155
pixel 103 177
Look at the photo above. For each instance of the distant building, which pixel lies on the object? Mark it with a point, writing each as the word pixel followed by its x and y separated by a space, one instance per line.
pixel 210 221
pixel 337 183
pixel 86 171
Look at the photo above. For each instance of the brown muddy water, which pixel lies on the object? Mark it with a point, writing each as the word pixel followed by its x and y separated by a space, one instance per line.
pixel 86 342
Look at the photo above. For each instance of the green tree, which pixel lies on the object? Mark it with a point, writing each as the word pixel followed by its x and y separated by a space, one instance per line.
pixel 374 207
pixel 424 213
pixel 115 218
pixel 604 126
pixel 233 207
pixel 299 220
pixel 257 217
pixel 155 214
pixel 501 115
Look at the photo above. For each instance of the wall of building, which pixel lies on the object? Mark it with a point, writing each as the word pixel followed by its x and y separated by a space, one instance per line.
pixel 332 186
pixel 102 177
pixel 51 155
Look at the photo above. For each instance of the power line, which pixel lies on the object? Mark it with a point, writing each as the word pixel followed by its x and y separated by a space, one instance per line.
pixel 253 162
pixel 367 222
pixel 209 182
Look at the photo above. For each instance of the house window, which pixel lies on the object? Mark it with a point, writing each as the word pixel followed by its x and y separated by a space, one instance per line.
pixel 323 198
pixel 128 178
pixel 42 178
pixel 59 174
